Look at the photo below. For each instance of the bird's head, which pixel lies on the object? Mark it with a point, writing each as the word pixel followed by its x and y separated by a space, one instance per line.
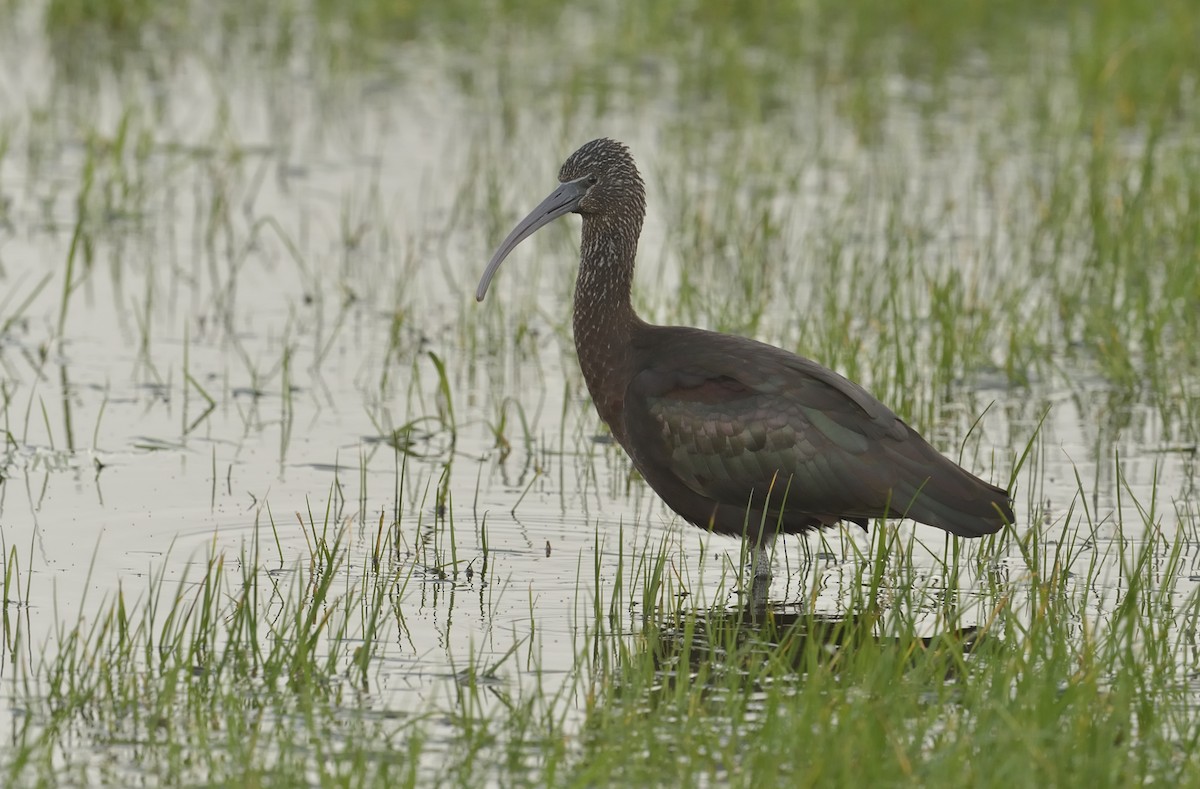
pixel 599 179
pixel 610 178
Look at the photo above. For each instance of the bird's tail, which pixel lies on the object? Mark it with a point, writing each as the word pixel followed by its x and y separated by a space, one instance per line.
pixel 935 491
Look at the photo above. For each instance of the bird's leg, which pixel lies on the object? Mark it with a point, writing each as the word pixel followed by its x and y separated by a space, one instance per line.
pixel 761 561
pixel 760 569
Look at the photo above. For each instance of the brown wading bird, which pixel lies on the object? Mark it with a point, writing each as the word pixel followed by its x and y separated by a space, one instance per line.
pixel 736 436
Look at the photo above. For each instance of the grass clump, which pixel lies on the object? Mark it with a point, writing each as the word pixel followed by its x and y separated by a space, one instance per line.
pixel 243 676
pixel 118 18
pixel 1050 684
pixel 1017 663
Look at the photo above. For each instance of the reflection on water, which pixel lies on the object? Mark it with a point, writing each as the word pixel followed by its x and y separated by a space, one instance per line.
pixel 782 635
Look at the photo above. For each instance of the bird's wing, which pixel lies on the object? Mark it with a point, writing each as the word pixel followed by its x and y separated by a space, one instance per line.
pixel 736 421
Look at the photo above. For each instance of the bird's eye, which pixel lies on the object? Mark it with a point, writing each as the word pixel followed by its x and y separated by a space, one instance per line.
pixel 592 180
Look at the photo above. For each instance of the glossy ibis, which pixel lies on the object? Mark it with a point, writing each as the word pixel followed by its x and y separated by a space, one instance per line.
pixel 736 436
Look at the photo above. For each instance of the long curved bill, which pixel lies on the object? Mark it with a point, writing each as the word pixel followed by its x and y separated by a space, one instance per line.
pixel 561 201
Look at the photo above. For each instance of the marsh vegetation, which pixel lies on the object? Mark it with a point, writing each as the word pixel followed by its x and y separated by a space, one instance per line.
pixel 281 504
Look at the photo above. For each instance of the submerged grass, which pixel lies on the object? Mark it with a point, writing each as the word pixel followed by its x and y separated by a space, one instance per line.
pixel 1034 667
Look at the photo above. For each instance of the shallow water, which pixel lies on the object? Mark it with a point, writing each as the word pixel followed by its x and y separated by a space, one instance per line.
pixel 270 252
